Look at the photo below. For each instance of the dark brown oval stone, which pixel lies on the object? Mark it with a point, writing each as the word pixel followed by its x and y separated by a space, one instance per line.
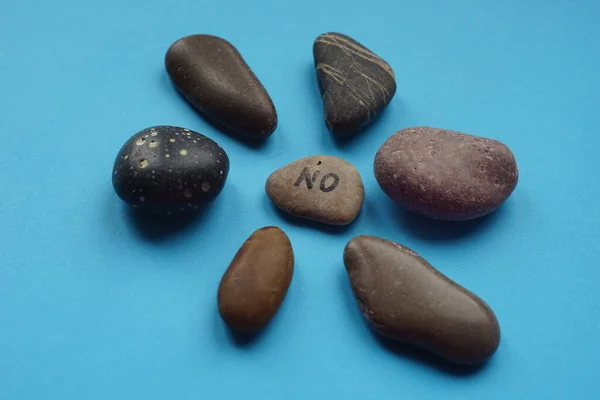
pixel 213 76
pixel 445 174
pixel 256 282
pixel 404 298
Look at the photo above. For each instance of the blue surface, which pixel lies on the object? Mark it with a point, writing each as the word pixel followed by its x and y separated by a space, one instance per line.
pixel 96 305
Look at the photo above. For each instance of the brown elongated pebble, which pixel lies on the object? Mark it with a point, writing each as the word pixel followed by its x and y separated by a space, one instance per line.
pixel 256 282
pixel 445 174
pixel 404 298
pixel 320 188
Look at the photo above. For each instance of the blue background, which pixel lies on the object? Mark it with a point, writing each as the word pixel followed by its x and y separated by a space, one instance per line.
pixel 95 304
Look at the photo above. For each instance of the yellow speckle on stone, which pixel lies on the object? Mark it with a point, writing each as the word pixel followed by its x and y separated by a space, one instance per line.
pixel 152 144
pixel 183 152
pixel 154 133
pixel 205 186
pixel 172 140
pixel 144 163
pixel 141 141
pixel 167 155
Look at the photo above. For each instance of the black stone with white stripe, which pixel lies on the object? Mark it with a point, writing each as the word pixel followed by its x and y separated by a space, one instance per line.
pixel 355 83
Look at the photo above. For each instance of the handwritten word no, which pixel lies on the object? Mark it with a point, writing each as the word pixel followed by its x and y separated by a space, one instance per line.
pixel 328 182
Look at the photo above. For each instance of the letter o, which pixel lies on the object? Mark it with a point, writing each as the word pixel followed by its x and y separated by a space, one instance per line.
pixel 336 181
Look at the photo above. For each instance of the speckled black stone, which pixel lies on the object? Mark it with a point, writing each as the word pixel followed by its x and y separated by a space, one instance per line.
pixel 167 170
pixel 355 83
pixel 213 76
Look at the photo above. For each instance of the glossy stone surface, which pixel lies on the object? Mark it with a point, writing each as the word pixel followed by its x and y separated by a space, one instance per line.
pixel 213 76
pixel 406 299
pixel 256 282
pixel 445 174
pixel 355 83
pixel 319 188
pixel 168 169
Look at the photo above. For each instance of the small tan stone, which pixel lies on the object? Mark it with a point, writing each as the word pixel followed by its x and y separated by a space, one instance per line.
pixel 320 188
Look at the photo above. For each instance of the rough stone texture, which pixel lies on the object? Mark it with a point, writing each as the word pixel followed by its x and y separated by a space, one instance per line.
pixel 320 188
pixel 256 282
pixel 445 174
pixel 167 169
pixel 404 298
pixel 212 75
pixel 355 83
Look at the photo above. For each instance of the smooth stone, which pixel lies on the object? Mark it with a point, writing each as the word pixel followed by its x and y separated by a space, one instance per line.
pixel 256 282
pixel 356 84
pixel 168 169
pixel 320 188
pixel 405 299
pixel 213 76
pixel 445 174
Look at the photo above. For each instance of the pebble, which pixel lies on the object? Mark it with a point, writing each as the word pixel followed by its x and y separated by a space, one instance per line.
pixel 356 84
pixel 321 188
pixel 213 76
pixel 444 174
pixel 405 299
pixel 168 170
pixel 256 282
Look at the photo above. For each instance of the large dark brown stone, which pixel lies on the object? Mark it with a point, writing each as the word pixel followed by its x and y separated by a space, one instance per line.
pixel 213 76
pixel 404 298
pixel 445 174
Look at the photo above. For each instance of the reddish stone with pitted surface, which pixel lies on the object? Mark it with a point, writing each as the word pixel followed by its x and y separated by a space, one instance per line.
pixel 444 174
